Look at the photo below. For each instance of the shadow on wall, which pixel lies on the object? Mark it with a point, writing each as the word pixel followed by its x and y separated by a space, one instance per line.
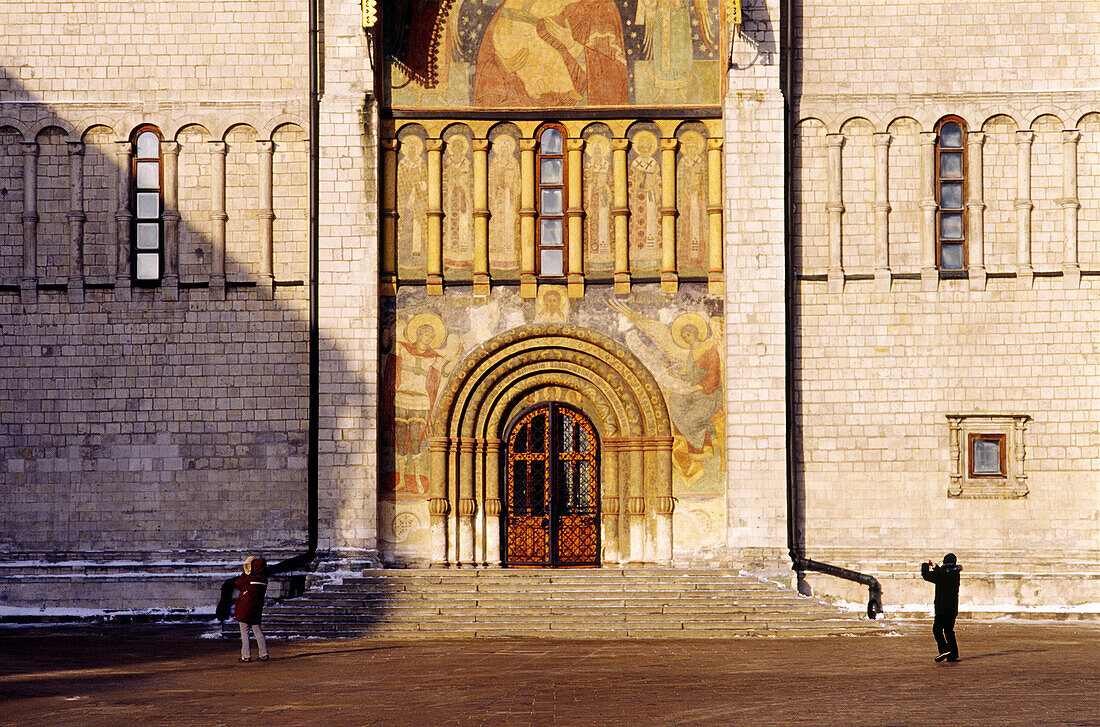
pixel 169 418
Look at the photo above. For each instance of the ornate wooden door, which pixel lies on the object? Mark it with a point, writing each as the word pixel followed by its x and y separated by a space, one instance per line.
pixel 552 489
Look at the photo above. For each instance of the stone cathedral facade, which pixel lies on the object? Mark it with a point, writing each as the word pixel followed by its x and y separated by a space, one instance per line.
pixel 503 283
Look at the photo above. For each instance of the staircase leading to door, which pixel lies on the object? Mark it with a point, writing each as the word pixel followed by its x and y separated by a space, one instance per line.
pixel 591 604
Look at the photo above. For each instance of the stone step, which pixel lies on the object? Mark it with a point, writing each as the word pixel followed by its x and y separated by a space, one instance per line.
pixel 587 608
pixel 596 603
pixel 534 619
pixel 565 631
pixel 570 591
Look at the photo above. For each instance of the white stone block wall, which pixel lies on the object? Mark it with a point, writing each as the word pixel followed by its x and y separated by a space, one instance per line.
pixel 956 47
pixel 141 420
pixel 348 279
pixel 755 345
pixel 880 368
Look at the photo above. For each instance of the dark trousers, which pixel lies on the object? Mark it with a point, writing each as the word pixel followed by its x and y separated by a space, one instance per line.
pixel 943 628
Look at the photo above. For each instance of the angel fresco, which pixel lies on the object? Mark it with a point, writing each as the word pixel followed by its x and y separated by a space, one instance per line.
pixel 411 377
pixel 690 373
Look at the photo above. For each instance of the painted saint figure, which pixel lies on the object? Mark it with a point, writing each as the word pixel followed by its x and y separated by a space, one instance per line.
pixel 598 189
pixel 504 202
pixel 645 200
pixel 552 53
pixel 412 376
pixel 412 198
pixel 691 176
pixel 458 180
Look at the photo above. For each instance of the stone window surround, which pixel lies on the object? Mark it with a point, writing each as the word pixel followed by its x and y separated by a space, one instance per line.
pixel 1011 429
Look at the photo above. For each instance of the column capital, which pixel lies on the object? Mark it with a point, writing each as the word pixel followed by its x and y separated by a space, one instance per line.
pixel 834 140
pixel 30 148
pixel 267 146
pixel 1071 136
pixel 669 144
pixel 975 138
pixel 76 148
pixel 218 146
pixel 527 144
pixel 1025 136
pixel 714 143
pixel 170 148
pixel 389 143
pixel 882 138
pixel 928 138
pixel 480 145
pixel 574 144
pixel 620 144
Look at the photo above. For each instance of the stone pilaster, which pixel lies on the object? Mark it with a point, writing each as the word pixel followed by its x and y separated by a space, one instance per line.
pixel 76 221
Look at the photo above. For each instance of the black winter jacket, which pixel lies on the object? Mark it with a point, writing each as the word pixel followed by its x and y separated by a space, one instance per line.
pixel 946 578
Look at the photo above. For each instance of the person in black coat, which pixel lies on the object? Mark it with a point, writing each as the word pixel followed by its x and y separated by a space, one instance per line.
pixel 946 578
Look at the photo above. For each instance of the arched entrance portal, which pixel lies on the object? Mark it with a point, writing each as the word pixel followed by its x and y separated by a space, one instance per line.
pixel 561 368
pixel 551 489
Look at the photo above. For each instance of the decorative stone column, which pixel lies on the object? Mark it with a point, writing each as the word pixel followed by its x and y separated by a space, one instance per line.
pixel 435 217
pixel 1071 204
pixel 481 217
pixel 1025 274
pixel 170 151
pixel 669 277
pixel 467 505
pixel 882 212
pixel 28 283
pixel 835 209
pixel 124 216
pixel 528 285
pixel 76 221
pixel 620 211
pixel 388 282
pixel 929 273
pixel 955 450
pixel 609 506
pixel 438 505
pixel 218 218
pixel 1019 452
pixel 492 502
pixel 574 215
pixel 664 501
pixel 635 504
pixel 975 207
pixel 716 274
pixel 265 215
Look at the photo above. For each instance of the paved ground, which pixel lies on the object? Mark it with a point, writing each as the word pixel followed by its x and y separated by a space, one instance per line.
pixel 1011 673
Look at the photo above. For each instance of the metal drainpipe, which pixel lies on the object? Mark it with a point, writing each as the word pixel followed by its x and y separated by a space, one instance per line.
pixel 796 515
pixel 303 559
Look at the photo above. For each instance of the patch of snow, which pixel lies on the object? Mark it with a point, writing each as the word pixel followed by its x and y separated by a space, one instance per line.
pixel 83 613
pixel 927 609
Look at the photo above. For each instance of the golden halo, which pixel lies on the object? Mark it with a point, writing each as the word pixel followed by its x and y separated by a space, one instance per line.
pixel 688 319
pixel 431 320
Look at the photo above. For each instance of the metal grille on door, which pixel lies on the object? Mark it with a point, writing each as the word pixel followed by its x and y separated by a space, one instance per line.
pixel 552 513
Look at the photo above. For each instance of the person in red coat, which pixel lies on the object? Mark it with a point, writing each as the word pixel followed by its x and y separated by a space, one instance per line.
pixel 249 606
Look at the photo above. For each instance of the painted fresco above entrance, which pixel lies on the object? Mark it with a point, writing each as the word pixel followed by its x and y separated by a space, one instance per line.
pixel 537 54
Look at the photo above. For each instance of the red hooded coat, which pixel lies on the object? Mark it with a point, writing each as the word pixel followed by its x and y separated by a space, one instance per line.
pixel 249 606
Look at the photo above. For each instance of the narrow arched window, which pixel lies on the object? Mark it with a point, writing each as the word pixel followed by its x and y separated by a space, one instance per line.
pixel 147 246
pixel 951 194
pixel 551 198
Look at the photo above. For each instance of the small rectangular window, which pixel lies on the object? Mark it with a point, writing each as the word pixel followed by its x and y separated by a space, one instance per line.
pixel 987 455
